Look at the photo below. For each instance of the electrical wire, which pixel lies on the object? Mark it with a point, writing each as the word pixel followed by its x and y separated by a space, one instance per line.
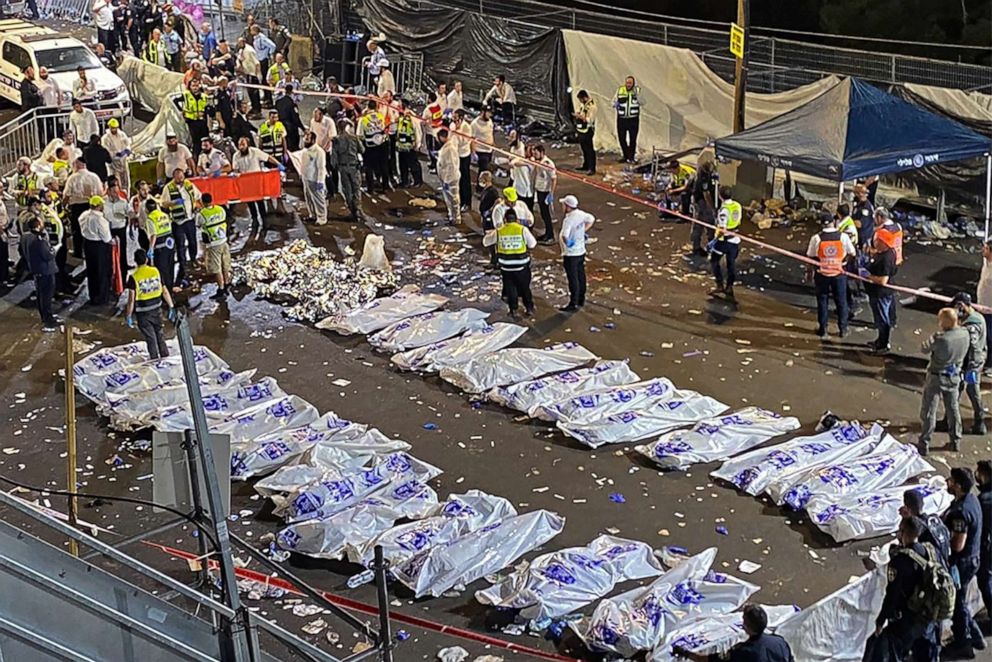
pixel 89 495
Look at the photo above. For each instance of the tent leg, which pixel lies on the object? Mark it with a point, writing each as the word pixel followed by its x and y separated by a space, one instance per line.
pixel 988 193
pixel 840 193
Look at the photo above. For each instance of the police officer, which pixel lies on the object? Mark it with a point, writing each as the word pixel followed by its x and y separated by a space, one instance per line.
pixel 726 245
pixel 513 241
pixel 934 530
pixel 585 126
pixel 144 301
pixel 704 198
pixel 971 370
pixel 832 249
pixel 346 151
pixel 947 349
pixel 889 233
pixel 162 251
pixel 195 103
pixel 964 520
pixel 407 144
pixel 372 131
pixel 863 214
pixel 983 475
pixel 758 647
pixel 898 630
pixel 628 105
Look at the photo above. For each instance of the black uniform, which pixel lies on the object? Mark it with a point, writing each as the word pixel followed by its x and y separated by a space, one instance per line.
pixel 965 516
pixel 758 648
pixel 706 182
pixel 985 548
pixel 903 630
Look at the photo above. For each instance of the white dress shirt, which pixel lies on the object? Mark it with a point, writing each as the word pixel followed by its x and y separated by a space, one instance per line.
pixel 51 93
pixel 81 186
pixel 314 164
pixel 250 162
pixel 544 178
pixel 482 131
pixel 116 210
pixel 94 226
pixel 173 160
pixel 325 131
pixel 212 161
pixel 84 124
pixel 455 99
pixel 573 232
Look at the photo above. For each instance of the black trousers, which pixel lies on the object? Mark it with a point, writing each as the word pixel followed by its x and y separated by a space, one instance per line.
pixel 332 178
pixel 391 168
pixel 4 259
pixel 254 95
pixel 432 146
pixel 198 130
pixel 266 94
pixel 465 183
pixel 410 167
pixel 546 216
pixel 98 268
pixel 588 153
pixel 575 273
pixel 376 167
pixel 165 261
pixel 44 287
pixel 485 160
pixel 150 326
pixel 75 211
pixel 627 128
pixel 516 286
pixel 186 247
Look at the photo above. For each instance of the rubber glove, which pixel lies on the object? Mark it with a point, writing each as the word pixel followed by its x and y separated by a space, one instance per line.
pixel 282 168
pixel 172 315
pixel 549 199
pixel 320 187
pixel 151 256
pixel 971 377
pixel 863 272
pixel 710 246
pixel 130 321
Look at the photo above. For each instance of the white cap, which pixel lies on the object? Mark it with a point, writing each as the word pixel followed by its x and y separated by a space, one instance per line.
pixel 570 201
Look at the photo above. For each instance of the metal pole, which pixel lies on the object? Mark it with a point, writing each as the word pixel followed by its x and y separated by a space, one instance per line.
pixel 385 636
pixel 988 193
pixel 840 193
pixel 70 430
pixel 740 72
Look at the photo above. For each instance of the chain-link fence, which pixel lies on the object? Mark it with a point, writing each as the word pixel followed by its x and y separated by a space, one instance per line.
pixel 776 64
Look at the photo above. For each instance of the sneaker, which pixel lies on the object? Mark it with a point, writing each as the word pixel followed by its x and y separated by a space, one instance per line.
pixel 546 240
pixel 717 291
pixel 844 333
pixel 821 334
pixel 958 652
pixel 530 312
pixel 568 309
pixel 48 328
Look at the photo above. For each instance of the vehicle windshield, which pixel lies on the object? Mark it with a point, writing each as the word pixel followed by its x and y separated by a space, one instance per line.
pixel 67 59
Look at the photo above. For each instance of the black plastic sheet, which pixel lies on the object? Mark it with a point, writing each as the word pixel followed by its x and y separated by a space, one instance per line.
pixel 474 49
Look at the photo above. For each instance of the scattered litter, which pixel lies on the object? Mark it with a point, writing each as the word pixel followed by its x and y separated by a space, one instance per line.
pixel 748 567
pixel 616 497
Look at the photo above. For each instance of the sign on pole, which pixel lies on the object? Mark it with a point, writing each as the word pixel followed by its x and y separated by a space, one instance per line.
pixel 737 40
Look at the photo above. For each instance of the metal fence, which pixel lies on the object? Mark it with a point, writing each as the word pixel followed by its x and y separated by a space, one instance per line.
pixel 776 64
pixel 408 72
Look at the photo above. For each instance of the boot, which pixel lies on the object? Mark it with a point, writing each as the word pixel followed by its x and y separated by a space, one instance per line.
pixel 979 427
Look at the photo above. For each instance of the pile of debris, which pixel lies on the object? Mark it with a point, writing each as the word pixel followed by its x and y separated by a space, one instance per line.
pixel 311 280
pixel 774 212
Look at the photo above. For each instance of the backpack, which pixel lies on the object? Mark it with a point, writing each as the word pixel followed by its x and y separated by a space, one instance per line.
pixel 940 537
pixel 933 600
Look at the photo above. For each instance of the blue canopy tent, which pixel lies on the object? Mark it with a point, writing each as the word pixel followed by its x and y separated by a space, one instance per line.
pixel 856 130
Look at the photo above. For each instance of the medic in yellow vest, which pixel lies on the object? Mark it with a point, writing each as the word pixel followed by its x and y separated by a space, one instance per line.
pixel 144 300
pixel 726 245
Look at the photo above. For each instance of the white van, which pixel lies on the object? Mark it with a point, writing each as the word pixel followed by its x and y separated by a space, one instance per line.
pixel 23 43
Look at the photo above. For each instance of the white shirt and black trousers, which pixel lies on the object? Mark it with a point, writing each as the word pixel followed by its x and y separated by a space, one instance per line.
pixel 99 262
pixel 573 241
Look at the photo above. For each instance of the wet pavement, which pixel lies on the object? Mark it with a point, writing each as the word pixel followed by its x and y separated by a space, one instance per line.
pixel 646 302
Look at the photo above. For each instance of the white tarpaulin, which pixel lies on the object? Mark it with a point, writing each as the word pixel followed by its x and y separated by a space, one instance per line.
pixel 715 635
pixel 326 538
pixel 753 472
pixel 427 329
pixel 511 366
pixel 606 402
pixel 149 84
pixel 455 351
pixel 266 418
pixel 717 438
pixel 380 313
pixel 836 628
pixel 888 466
pixel 644 618
pixel 111 359
pixel 682 408
pixel 219 404
pixel 876 513
pixel 326 497
pixel 459 515
pixel 145 375
pixel 477 554
pixel 530 395
pixel 684 103
pixel 562 582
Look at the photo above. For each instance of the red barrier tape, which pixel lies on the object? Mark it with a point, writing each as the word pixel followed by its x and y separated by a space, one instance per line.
pixel 361 607
pixel 632 198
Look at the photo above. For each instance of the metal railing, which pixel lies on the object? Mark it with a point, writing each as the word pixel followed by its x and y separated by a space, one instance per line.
pixel 408 71
pixel 776 64
pixel 66 10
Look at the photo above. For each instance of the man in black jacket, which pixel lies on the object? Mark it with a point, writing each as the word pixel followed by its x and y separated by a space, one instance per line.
pixel 30 94
pixel 983 475
pixel 41 262
pixel 289 115
pixel 97 158
pixel 758 647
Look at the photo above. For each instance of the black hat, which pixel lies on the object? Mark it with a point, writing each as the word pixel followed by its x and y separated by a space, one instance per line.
pixel 963 298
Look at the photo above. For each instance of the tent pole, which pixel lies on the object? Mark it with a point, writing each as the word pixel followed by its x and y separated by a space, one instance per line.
pixel 988 193
pixel 840 193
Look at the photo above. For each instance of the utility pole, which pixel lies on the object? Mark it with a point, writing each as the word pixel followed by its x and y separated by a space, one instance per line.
pixel 740 46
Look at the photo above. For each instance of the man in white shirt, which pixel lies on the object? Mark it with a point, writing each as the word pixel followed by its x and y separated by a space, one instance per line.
pixel 502 99
pixel 572 240
pixel 118 144
pixel 80 186
pixel 455 97
pixel 96 235
pixel 51 93
pixel 103 16
pixel 386 81
pixel 324 130
pixel 483 139
pixel 522 174
pixel 314 175
pixel 250 159
pixel 545 185
pixel 832 249
pixel 115 210
pixel 462 132
pixel 250 67
pixel 213 162
pixel 174 155
pixel 449 172
pixel 83 122
pixel 510 200
pixel 374 65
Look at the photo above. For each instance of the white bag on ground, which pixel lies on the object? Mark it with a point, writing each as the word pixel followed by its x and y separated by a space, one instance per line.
pixel 682 408
pixel 715 635
pixel 266 418
pixel 455 351
pixel 219 404
pixel 476 554
pixel 427 329
pixel 511 366
pixel 460 514
pixel 876 513
pixel 596 405
pixel 326 538
pixel 147 375
pixel 717 438
pixel 380 313
pixel 562 582
pixel 753 472
pixel 530 395
pixel 374 254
